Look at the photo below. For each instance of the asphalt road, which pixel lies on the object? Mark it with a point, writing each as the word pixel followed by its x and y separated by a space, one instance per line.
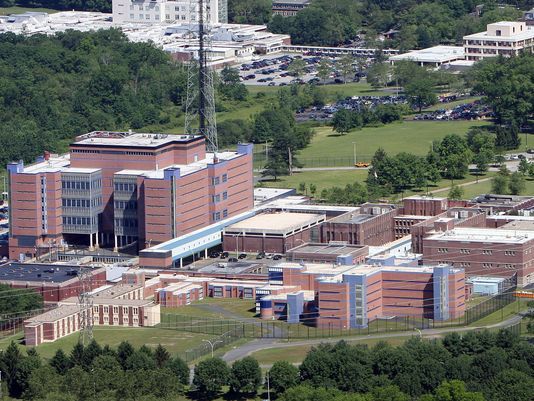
pixel 258 345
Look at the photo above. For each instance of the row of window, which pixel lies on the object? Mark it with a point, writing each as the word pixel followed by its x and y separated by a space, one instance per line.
pixel 81 202
pixel 116 310
pixel 126 223
pixel 113 152
pixel 217 215
pixel 124 187
pixel 128 205
pixel 80 221
pixel 82 185
pixel 484 251
pixel 217 198
pixel 218 180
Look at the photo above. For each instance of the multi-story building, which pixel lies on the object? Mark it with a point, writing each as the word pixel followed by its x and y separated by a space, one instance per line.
pixel 170 11
pixel 484 252
pixel 122 188
pixel 289 8
pixel 504 38
pixel 372 224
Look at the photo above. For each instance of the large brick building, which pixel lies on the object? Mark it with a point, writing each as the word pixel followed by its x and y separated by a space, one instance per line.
pixel 120 188
pixel 484 252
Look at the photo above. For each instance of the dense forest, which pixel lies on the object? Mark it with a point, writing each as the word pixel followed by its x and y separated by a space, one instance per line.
pixel 54 88
pixel 474 366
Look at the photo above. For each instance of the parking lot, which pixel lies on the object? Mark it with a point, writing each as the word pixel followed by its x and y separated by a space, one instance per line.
pixel 467 111
pixel 275 71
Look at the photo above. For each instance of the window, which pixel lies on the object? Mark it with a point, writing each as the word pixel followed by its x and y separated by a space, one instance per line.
pixel 487 252
pixel 124 310
pixel 135 311
pixel 106 309
pixel 215 181
pixel 225 195
pixel 132 16
pixel 443 250
pixel 465 251
pixel 225 213
pixel 115 309
pixel 509 253
pixel 224 177
pixel 217 216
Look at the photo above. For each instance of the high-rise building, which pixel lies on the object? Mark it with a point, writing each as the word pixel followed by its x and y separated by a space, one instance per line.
pixel 170 11
pixel 121 188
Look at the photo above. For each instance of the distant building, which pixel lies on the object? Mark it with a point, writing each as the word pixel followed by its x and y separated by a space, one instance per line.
pixel 156 11
pixel 528 17
pixel 432 56
pixel 504 38
pixel 289 8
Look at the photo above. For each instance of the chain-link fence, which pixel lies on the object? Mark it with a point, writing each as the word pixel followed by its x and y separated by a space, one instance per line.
pixel 206 348
pixel 255 328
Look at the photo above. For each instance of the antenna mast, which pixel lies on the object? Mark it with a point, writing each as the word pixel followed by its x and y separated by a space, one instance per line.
pixel 201 100
pixel 85 304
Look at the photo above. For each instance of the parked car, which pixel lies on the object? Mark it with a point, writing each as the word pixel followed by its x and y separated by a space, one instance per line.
pixel 260 255
pixel 224 255
pixel 215 254
pixel 277 257
pixel 269 256
pixel 233 260
pixel 242 256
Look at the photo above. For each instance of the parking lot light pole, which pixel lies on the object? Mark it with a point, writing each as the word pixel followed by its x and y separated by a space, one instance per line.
pixel 212 344
pixel 354 151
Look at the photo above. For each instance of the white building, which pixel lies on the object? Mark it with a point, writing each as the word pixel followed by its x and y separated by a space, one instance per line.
pixel 170 11
pixel 432 56
pixel 504 38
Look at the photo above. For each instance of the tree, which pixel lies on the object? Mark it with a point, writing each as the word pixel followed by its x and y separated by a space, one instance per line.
pixel 324 69
pixel 230 84
pixel 245 376
pixel 346 67
pixel 378 75
pixel 124 351
pixel 420 93
pixel 313 189
pixel 499 185
pixel 517 183
pixel 283 376
pixel 342 121
pixel 456 192
pixel 296 67
pixel 524 166
pixel 454 156
pixel 275 167
pixel 210 375
pixel 454 391
pixel 60 362
pixel 161 356
pixel 180 369
pixel 302 188
pixel 19 301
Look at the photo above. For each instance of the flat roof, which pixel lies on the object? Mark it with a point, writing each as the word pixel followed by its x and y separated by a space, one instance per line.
pixel 224 267
pixel 39 273
pixel 484 235
pixel 131 139
pixel 353 218
pixel 313 268
pixel 116 291
pixel 526 34
pixel 436 54
pixel 282 222
pixel 329 249
pixel 527 225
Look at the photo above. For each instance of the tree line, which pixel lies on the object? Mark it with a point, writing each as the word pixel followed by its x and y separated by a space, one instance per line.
pixel 474 366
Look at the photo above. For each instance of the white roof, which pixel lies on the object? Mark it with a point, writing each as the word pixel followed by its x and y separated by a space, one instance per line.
pixel 484 235
pixel 436 54
pixel 276 222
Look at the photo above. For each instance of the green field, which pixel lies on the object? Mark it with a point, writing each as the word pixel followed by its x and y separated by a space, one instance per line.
pixel 333 91
pixel 471 191
pixel 409 136
pixel 216 308
pixel 176 342
pixel 330 178
pixel 18 10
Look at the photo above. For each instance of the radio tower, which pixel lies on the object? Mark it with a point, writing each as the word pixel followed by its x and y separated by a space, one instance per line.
pixel 200 104
pixel 85 304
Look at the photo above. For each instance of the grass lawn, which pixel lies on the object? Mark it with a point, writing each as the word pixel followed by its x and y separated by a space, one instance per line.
pixel 176 342
pixel 18 10
pixel 409 136
pixel 471 191
pixel 330 178
pixel 502 314
pixel 240 307
pixel 322 179
pixel 297 353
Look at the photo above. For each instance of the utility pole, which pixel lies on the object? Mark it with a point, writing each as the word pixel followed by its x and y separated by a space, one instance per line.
pixel 354 150
pixel 85 304
pixel 266 152
pixel 290 161
pixel 268 388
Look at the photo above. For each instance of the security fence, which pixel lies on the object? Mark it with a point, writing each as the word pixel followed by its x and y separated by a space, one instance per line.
pixel 255 328
pixel 206 347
